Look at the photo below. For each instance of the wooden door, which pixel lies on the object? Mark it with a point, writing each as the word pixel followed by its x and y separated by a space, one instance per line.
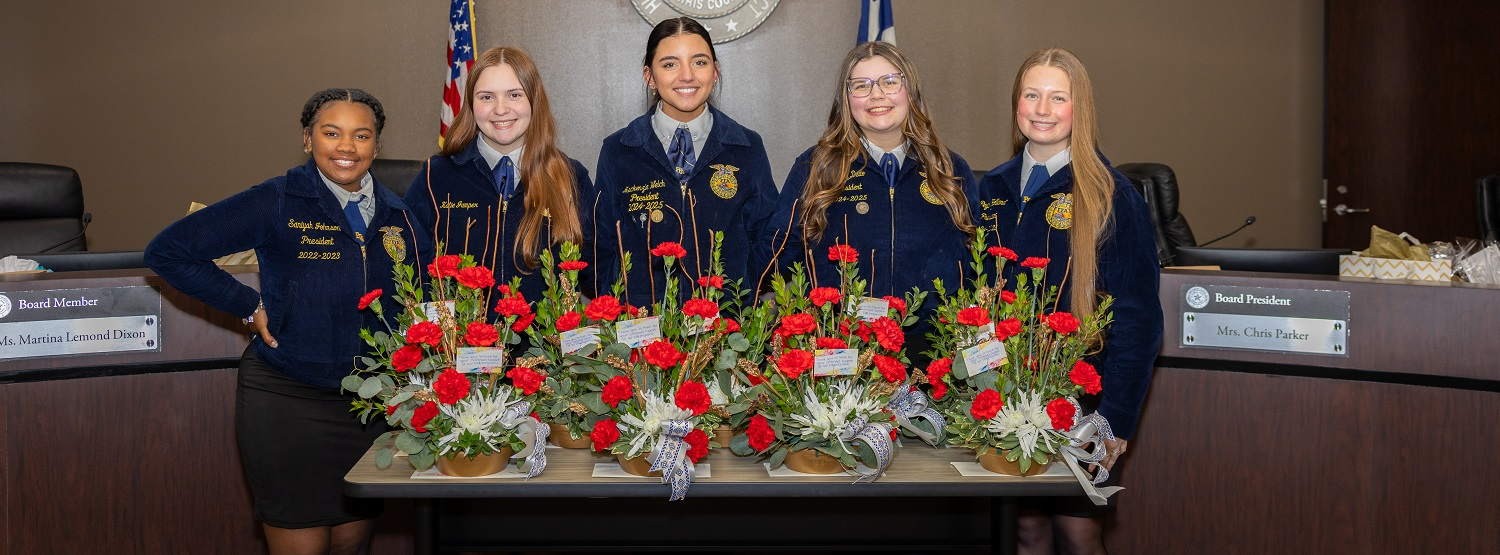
pixel 1413 116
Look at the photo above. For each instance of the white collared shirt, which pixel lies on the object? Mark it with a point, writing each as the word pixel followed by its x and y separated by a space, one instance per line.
pixel 492 156
pixel 366 188
pixel 665 127
pixel 1054 164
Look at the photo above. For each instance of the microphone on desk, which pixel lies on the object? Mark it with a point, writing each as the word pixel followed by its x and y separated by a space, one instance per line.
pixel 1248 222
pixel 87 217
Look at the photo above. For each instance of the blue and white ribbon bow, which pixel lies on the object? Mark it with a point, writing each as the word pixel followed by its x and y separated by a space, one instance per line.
pixel 669 457
pixel 914 404
pixel 1090 429
pixel 532 433
pixel 878 437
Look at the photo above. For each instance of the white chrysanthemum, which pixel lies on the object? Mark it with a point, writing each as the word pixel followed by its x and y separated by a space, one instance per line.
pixel 656 409
pixel 477 414
pixel 828 419
pixel 716 393
pixel 1027 419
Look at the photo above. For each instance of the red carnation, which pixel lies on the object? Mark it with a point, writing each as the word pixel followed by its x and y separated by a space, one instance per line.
pixel 703 308
pixel 406 358
pixel 364 302
pixel 728 325
pixel 890 368
pixel 1035 262
pixel 939 389
pixel 888 333
pixel 843 253
pixel 451 386
pixel 391 409
pixel 631 309
pixel 760 433
pixel 824 295
pixel 973 316
pixel 606 433
pixel 939 368
pixel 716 282
pixel 616 389
pixel 1062 322
pixel 864 331
pixel 898 304
pixel 476 277
pixel 568 321
pixel 603 307
pixel 444 266
pixel 1006 328
pixel 424 332
pixel 1085 375
pixel 1061 412
pixel 794 362
pixel 662 354
pixel 831 343
pixel 692 396
pixel 1008 296
pixel 572 265
pixel 796 324
pixel 481 334
pixel 669 248
pixel 512 305
pixel 523 322
pixel 755 378
pixel 528 380
pixel 422 415
pixel 1003 252
pixel 697 442
pixel 986 405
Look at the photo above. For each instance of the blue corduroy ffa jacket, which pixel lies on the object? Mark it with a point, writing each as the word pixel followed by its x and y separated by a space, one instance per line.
pixel 732 191
pixel 1127 271
pixel 904 235
pixel 312 270
pixel 457 196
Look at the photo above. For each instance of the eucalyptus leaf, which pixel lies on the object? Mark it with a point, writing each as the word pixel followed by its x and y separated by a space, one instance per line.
pixel 778 458
pixel 866 454
pixel 727 359
pixel 409 443
pixel 738 342
pixel 351 383
pixel 383 457
pixel 960 370
pixel 740 445
pixel 369 389
pixel 421 461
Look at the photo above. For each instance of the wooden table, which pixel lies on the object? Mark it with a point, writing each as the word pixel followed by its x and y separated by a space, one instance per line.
pixel 921 482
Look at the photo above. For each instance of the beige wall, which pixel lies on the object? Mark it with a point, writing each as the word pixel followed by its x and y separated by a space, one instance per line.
pixel 162 102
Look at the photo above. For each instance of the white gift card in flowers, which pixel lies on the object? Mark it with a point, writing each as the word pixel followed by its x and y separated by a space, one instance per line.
pixel 835 362
pixel 987 355
pixel 480 359
pixel 871 309
pixel 430 310
pixel 638 332
pixel 577 339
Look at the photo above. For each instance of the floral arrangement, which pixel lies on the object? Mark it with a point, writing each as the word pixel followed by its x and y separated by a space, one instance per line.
pixel 1015 365
pixel 836 362
pixel 438 374
pixel 566 325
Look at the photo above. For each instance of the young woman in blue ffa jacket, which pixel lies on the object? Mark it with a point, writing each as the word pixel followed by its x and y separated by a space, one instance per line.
pixel 500 189
pixel 879 180
pixel 681 172
pixel 1070 206
pixel 325 234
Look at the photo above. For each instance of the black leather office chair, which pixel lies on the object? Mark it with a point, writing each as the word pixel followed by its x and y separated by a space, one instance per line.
pixel 41 208
pixel 396 175
pixel 1158 184
pixel 1487 199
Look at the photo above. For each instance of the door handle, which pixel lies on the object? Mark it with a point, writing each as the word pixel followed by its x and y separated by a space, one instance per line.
pixel 1344 210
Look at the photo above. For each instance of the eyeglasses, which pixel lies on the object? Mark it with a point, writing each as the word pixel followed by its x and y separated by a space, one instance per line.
pixel 861 87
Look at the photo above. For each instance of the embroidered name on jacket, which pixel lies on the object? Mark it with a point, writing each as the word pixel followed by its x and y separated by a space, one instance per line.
pixel 315 226
pixel 461 205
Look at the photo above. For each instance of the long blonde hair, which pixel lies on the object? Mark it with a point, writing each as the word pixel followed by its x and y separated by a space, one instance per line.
pixel 839 147
pixel 1093 188
pixel 549 173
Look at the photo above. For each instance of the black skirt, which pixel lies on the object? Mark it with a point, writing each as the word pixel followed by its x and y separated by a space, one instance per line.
pixel 296 443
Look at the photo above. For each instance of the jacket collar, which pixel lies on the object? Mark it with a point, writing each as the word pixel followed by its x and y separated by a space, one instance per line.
pixel 304 181
pixel 725 132
pixel 1009 175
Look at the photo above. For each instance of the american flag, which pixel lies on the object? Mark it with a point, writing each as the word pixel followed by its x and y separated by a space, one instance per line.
pixel 460 59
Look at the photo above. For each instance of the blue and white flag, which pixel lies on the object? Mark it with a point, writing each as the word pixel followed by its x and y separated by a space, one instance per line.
pixel 876 22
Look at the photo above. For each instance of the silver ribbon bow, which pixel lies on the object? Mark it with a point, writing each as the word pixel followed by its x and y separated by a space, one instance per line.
pixel 914 404
pixel 669 457
pixel 1090 429
pixel 532 433
pixel 878 437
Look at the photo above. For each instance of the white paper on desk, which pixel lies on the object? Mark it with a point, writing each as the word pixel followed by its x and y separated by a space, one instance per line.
pixel 432 474
pixel 973 470
pixel 613 470
pixel 785 472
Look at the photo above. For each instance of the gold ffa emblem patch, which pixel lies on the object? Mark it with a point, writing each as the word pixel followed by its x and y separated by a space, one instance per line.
pixel 722 182
pixel 1060 212
pixel 926 190
pixel 394 244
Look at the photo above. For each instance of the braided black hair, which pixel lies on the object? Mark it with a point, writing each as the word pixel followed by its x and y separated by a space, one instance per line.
pixel 323 97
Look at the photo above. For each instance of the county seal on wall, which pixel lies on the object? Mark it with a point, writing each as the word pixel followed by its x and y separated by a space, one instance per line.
pixel 394 244
pixel 722 182
pixel 1060 212
pixel 725 20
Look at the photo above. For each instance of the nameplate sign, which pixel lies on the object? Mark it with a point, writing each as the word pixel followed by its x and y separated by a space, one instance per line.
pixel 79 321
pixel 1302 321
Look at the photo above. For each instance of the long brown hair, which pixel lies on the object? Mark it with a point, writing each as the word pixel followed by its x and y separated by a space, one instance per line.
pixel 839 147
pixel 1093 188
pixel 547 171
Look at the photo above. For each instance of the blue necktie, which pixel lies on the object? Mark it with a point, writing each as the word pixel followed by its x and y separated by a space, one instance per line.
pixel 356 219
pixel 1034 183
pixel 505 177
pixel 888 167
pixel 681 153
